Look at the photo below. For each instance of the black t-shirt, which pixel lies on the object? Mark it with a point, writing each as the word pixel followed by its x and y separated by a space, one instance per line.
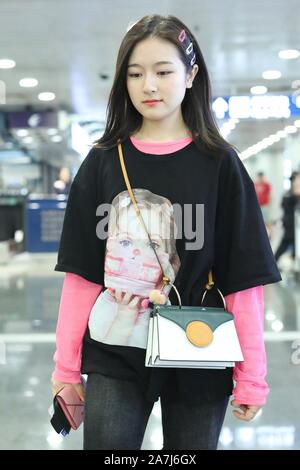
pixel 202 213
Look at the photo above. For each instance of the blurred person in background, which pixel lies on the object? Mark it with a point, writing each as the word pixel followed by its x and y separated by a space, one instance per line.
pixel 63 183
pixel 263 191
pixel 289 203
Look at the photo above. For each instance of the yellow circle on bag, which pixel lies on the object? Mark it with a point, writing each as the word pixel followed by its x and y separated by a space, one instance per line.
pixel 199 333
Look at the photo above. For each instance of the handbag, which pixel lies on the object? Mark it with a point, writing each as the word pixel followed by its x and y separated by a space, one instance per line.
pixel 68 410
pixel 187 336
pixel 192 337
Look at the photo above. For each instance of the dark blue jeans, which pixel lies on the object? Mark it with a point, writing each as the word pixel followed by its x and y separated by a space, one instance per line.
pixel 116 416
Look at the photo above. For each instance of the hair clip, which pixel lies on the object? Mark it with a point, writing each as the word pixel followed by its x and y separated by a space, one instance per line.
pixel 193 59
pixel 182 35
pixel 189 48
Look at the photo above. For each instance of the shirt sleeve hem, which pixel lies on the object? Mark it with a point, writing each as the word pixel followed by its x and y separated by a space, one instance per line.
pixel 73 377
pixel 73 269
pixel 245 400
pixel 258 281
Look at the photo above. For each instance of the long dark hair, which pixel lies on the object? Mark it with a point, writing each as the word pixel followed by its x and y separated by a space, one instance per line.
pixel 122 117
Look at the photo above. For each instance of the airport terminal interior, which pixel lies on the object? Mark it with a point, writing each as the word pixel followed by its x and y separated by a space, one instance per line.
pixel 57 63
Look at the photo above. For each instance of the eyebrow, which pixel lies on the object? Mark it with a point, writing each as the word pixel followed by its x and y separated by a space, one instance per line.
pixel 161 62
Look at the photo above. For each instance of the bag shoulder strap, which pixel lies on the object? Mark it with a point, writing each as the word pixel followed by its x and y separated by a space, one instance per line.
pixel 166 279
pixel 137 209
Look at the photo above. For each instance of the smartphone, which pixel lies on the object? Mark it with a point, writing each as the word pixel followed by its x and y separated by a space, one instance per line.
pixel 58 421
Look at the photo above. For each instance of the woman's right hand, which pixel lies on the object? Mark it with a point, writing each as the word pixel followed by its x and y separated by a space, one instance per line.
pixel 57 386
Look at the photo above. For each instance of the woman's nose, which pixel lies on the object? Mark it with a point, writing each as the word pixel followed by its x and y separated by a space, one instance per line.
pixel 136 252
pixel 149 84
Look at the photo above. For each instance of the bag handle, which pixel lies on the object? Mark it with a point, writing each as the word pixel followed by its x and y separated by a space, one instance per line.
pixel 209 286
pixel 166 279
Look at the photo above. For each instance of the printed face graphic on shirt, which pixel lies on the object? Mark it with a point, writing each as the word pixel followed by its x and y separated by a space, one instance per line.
pixel 131 267
pixel 130 262
pixel 130 255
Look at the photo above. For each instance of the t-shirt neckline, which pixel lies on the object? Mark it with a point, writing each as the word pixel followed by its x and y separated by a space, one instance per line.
pixel 164 156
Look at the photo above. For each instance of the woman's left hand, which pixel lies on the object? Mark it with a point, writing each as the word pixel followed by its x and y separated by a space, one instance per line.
pixel 245 412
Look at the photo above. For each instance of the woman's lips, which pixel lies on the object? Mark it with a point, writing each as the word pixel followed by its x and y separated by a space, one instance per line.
pixel 151 103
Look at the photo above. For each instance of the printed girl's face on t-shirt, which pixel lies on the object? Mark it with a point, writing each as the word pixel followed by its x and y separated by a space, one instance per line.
pixel 149 79
pixel 129 252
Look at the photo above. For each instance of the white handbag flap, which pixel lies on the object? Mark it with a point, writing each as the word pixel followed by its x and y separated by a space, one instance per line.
pixel 174 345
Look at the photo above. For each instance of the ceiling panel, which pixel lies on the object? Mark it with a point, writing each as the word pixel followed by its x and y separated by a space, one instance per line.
pixel 67 44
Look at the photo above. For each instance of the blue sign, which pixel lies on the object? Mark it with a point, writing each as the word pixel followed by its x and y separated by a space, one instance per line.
pixel 32 119
pixel 44 221
pixel 257 107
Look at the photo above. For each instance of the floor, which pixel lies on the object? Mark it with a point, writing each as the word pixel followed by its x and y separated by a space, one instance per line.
pixel 30 291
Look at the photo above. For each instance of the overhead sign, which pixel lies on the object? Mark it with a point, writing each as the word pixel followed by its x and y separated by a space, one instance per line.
pixel 31 119
pixel 256 107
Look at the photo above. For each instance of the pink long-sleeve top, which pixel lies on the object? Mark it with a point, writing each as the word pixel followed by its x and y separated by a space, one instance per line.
pixel 79 295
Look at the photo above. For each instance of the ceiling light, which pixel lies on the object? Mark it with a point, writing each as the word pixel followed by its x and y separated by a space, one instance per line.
pixel 288 54
pixel 228 125
pixel 264 145
pixel 56 138
pixel 277 325
pixel 281 134
pixel 271 74
pixel 290 129
pixel 52 131
pixel 270 316
pixel 7 64
pixel 46 96
pixel 258 90
pixel 22 132
pixel 267 142
pixel 28 82
pixel 275 138
pixel 28 140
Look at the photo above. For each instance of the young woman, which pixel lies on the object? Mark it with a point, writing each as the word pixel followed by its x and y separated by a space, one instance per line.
pixel 159 109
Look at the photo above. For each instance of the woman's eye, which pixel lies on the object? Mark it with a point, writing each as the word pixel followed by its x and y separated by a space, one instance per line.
pixel 163 73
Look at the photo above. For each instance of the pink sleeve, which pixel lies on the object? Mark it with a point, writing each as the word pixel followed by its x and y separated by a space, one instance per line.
pixel 247 307
pixel 77 299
